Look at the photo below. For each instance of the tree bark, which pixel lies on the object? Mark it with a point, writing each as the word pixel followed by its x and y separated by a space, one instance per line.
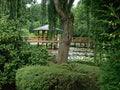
pixel 66 37
pixel 65 40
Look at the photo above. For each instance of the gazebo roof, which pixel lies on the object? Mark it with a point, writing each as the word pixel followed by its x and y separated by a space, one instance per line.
pixel 45 27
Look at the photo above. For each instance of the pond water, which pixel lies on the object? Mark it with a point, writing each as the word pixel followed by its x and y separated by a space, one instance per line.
pixel 76 53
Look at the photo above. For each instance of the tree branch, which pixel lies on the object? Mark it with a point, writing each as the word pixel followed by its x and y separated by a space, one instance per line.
pixel 70 3
pixel 58 9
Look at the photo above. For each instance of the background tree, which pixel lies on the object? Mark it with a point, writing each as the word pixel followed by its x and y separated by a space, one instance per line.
pixel 43 13
pixel 107 15
pixel 86 25
pixel 36 15
pixel 80 24
pixel 83 20
pixel 11 42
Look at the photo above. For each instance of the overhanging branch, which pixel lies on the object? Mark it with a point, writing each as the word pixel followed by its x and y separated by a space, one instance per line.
pixel 70 3
pixel 58 9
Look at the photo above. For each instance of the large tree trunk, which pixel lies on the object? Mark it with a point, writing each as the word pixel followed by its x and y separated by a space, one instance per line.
pixel 65 40
pixel 66 37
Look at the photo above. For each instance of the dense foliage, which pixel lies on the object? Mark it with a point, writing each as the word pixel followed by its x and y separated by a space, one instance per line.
pixel 108 17
pixel 15 53
pixel 37 55
pixel 64 77
pixel 83 20
pixel 10 46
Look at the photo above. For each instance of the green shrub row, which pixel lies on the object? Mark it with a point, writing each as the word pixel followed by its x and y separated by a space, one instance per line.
pixel 56 77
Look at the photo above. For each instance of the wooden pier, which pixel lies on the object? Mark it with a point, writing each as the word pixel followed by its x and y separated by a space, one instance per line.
pixel 82 41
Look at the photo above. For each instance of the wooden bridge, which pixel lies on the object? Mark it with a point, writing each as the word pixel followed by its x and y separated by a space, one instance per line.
pixel 82 41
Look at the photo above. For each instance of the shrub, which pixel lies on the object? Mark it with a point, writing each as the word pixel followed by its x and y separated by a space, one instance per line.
pixel 110 75
pixel 15 53
pixel 10 47
pixel 55 78
pixel 109 38
pixel 38 55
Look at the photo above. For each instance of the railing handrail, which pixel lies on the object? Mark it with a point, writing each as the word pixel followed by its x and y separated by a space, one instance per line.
pixel 45 38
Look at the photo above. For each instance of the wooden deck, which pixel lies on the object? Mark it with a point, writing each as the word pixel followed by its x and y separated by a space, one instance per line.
pixel 75 40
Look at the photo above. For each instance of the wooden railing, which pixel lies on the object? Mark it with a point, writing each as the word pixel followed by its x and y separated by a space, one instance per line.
pixel 82 40
pixel 39 39
pixel 45 39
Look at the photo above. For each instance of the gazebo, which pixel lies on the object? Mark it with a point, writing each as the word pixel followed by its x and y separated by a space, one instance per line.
pixel 44 31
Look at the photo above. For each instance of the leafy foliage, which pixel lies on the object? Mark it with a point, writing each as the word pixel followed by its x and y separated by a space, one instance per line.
pixel 55 77
pixel 108 17
pixel 80 25
pixel 10 46
pixel 83 20
pixel 14 52
pixel 110 75
pixel 38 55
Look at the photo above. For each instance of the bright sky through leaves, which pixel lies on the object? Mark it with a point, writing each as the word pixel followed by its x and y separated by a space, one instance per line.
pixel 75 2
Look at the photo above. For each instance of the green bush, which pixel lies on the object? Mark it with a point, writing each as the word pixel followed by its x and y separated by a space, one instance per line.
pixel 38 55
pixel 15 53
pixel 10 47
pixel 107 13
pixel 56 77
pixel 110 75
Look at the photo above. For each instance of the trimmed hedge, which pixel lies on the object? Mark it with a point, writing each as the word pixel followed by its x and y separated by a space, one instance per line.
pixel 55 78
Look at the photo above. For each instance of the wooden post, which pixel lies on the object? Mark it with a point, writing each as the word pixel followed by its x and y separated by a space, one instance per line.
pixel 38 37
